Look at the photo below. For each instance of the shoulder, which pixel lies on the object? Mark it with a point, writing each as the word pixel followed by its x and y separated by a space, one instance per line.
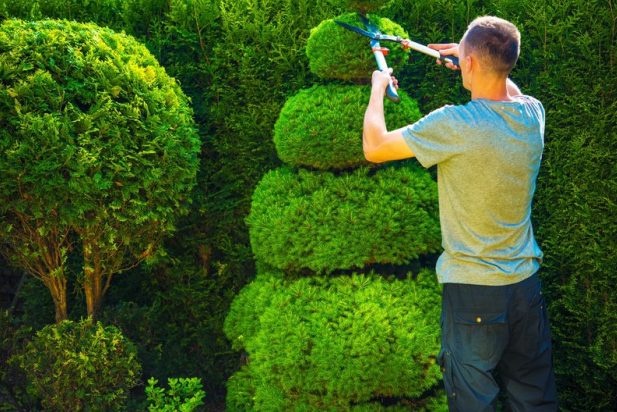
pixel 532 104
pixel 529 100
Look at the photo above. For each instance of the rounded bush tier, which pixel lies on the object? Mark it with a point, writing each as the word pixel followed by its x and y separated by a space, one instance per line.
pixel 337 53
pixel 335 341
pixel 321 127
pixel 323 222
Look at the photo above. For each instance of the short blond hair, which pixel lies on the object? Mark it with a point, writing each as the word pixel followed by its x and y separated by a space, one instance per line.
pixel 495 42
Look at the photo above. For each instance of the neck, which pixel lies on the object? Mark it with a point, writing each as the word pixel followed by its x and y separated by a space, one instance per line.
pixel 490 88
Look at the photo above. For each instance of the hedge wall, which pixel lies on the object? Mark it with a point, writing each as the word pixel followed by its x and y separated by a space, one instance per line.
pixel 240 60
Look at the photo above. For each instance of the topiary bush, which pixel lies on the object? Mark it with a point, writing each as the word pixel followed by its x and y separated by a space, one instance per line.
pixel 337 53
pixel 318 220
pixel 348 341
pixel 319 341
pixel 77 366
pixel 320 127
pixel 98 148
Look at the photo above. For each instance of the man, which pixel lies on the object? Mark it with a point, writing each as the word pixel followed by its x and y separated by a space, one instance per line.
pixel 488 154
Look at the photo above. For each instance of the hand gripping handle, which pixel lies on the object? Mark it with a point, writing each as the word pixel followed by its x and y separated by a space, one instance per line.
pixel 391 93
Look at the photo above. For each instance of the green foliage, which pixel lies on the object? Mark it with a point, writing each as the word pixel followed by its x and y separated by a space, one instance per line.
pixel 98 142
pixel 74 366
pixel 183 395
pixel 366 6
pixel 241 61
pixel 322 221
pixel 321 127
pixel 242 323
pixel 13 386
pixel 337 53
pixel 258 60
pixel 337 341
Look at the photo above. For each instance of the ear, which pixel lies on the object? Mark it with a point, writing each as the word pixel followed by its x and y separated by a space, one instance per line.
pixel 470 63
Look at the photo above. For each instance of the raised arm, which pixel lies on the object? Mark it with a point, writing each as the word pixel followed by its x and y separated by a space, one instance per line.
pixel 378 144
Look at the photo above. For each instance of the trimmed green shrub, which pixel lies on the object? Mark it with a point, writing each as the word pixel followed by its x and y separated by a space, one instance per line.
pixel 98 140
pixel 183 395
pixel 240 390
pixel 76 366
pixel 321 127
pixel 337 53
pixel 242 323
pixel 322 221
pixel 339 341
pixel 246 392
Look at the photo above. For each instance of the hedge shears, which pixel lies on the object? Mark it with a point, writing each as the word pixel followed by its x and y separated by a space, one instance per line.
pixel 376 36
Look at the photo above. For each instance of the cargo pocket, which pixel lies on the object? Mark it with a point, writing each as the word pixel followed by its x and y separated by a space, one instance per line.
pixel 537 323
pixel 444 359
pixel 480 336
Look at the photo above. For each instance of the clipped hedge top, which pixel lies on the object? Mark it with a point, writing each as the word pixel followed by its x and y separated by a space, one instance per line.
pixel 321 127
pixel 322 222
pixel 337 53
pixel 345 339
pixel 93 127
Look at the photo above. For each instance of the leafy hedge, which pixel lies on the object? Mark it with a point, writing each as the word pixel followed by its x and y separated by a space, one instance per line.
pixel 320 127
pixel 335 341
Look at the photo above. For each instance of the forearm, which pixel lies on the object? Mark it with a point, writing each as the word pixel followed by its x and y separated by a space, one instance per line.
pixel 374 122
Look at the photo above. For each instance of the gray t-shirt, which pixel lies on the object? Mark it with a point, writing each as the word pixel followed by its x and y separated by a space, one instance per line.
pixel 488 155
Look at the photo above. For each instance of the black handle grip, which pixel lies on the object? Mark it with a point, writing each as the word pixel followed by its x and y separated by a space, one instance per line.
pixel 453 59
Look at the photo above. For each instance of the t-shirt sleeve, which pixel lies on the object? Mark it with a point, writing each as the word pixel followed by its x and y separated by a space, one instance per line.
pixel 436 137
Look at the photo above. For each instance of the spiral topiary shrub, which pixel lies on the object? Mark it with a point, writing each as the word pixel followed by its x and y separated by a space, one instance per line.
pixel 337 341
pixel 321 127
pixel 338 53
pixel 78 366
pixel 363 341
pixel 323 222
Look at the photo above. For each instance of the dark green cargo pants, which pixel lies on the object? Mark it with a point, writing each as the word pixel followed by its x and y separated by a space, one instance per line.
pixel 497 328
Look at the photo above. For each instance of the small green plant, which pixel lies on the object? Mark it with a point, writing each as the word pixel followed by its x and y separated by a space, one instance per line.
pixel 77 366
pixel 183 395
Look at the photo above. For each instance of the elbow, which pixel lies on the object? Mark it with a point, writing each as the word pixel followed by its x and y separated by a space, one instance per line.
pixel 368 149
pixel 370 156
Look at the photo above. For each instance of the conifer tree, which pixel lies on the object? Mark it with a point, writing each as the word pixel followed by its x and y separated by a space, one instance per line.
pixel 341 315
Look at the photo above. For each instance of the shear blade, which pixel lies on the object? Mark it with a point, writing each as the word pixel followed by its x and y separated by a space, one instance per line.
pixel 368 24
pixel 356 29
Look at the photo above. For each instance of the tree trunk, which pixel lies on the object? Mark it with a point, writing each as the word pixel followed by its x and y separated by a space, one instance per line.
pixel 94 293
pixel 57 287
pixel 93 282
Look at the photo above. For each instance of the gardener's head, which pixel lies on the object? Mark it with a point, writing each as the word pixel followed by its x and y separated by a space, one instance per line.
pixel 490 45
